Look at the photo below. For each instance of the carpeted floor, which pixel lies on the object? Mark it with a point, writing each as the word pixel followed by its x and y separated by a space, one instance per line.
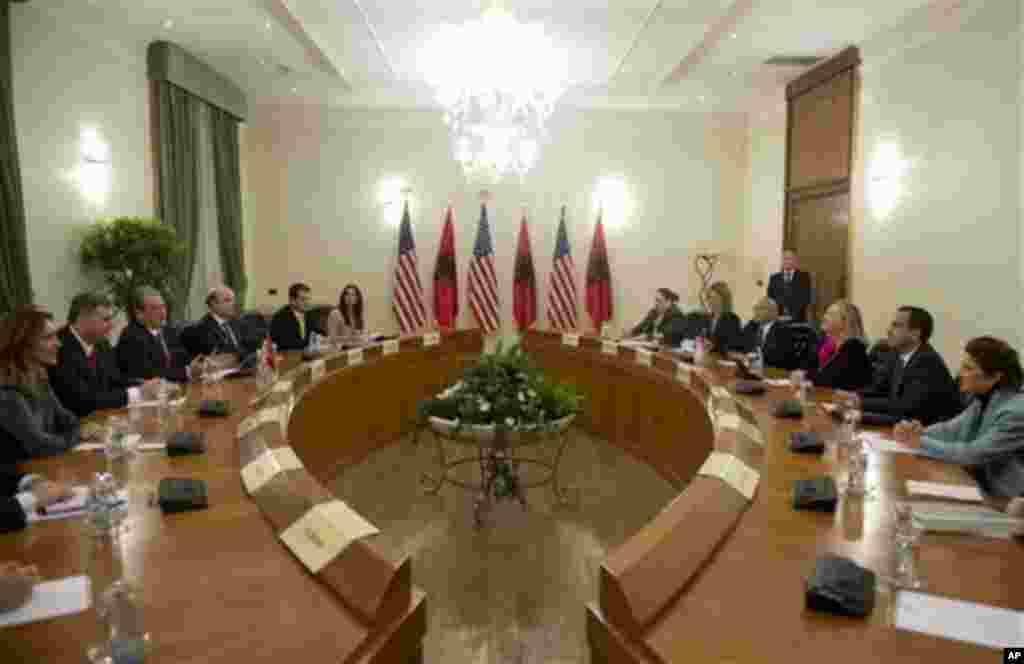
pixel 513 591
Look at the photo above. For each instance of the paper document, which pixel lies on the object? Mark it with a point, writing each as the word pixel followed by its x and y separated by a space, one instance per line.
pixel 942 490
pixel 958 620
pixel 880 443
pixel 780 382
pixel 90 447
pixel 727 363
pixel 173 403
pixel 51 599
pixel 970 519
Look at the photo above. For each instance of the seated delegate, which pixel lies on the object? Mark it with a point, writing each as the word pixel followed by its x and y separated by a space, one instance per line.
pixel 347 320
pixel 148 348
pixel 86 377
pixel 33 422
pixel 915 384
pixel 723 330
pixel 767 334
pixel 291 325
pixel 849 367
pixel 988 437
pixel 664 320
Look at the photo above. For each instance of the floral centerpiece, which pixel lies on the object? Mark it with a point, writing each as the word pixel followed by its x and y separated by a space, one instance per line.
pixel 502 391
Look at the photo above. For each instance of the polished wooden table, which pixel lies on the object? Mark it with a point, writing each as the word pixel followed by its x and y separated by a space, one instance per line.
pixel 717 578
pixel 218 585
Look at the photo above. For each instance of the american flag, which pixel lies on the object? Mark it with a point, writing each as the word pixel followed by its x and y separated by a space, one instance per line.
pixel 562 284
pixel 483 281
pixel 407 300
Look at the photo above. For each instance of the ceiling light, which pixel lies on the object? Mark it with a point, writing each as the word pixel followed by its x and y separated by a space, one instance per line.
pixel 266 25
pixel 498 81
pixel 732 35
pixel 168 24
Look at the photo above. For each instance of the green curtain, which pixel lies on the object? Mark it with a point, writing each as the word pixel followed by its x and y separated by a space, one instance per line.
pixel 178 176
pixel 228 185
pixel 15 278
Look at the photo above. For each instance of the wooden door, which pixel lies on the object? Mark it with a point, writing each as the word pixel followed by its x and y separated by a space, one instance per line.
pixel 819 227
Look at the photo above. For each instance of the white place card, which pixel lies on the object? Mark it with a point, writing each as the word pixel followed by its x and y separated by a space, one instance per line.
pixel 880 443
pixel 355 357
pixel 267 466
pixel 720 392
pixel 969 494
pixel 390 347
pixel 51 599
pixel 955 619
pixel 282 386
pixel 571 340
pixel 609 348
pixel 731 422
pixel 324 532
pixel 431 339
pixel 684 372
pixel 276 414
pixel 317 370
pixel 644 357
pixel 733 472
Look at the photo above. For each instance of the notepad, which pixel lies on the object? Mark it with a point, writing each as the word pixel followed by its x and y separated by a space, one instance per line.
pixel 72 507
pixel 879 443
pixel 942 490
pixel 154 403
pixel 51 599
pixel 968 519
pixel 955 619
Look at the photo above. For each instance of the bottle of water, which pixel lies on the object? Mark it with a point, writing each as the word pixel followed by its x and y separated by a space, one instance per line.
pixel 104 507
pixel 119 608
pixel 757 362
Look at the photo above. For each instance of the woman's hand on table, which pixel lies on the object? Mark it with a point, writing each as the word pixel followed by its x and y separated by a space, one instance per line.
pixel 908 432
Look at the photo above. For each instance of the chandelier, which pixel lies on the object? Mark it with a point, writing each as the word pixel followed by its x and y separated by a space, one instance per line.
pixel 498 81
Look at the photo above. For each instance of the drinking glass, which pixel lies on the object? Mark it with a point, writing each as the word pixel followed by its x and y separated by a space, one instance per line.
pixel 906 534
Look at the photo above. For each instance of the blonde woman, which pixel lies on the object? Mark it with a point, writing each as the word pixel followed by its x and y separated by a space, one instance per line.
pixel 849 367
pixel 723 329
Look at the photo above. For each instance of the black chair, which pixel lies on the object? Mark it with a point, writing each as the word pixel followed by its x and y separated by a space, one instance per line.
pixel 803 342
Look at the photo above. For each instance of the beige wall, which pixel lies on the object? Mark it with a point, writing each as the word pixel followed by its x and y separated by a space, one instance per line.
pixel 68 77
pixel 313 201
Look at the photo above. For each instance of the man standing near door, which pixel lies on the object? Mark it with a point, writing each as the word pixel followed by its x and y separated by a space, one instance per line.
pixel 791 288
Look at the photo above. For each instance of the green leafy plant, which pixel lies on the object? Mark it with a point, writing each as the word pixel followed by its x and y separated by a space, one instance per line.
pixel 132 252
pixel 507 390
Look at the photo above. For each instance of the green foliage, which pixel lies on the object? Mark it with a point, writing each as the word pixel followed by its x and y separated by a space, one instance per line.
pixel 134 252
pixel 504 388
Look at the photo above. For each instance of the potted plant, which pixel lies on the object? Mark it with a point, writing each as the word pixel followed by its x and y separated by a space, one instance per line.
pixel 502 392
pixel 132 252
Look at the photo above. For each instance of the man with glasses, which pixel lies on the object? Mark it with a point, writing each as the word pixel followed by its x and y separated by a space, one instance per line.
pixel 290 327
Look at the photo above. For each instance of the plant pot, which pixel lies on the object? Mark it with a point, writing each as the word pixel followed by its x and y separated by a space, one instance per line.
pixel 467 432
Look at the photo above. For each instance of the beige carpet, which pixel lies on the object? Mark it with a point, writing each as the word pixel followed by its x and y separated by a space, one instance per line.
pixel 513 591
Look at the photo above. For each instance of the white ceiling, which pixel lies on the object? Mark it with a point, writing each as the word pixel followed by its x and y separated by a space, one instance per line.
pixel 678 54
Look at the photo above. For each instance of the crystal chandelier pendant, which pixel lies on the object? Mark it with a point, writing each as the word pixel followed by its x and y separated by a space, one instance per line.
pixel 498 81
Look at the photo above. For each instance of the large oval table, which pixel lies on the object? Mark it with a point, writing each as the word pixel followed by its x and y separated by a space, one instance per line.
pixel 716 576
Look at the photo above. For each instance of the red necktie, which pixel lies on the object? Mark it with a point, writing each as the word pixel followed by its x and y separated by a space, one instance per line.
pixel 91 358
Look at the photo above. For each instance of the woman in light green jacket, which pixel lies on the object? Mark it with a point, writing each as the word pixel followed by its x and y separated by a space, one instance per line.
pixel 987 438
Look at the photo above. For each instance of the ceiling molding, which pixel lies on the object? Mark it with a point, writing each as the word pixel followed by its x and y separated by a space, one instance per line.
pixel 636 40
pixel 716 32
pixel 318 53
pixel 375 37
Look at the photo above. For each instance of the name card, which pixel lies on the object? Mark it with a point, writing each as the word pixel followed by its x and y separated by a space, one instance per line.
pixel 318 370
pixel 275 414
pixel 390 347
pixel 609 348
pixel 732 422
pixel 644 357
pixel 571 340
pixel 431 339
pixel 720 392
pixel 282 386
pixel 267 466
pixel 683 373
pixel 355 356
pixel 324 532
pixel 733 472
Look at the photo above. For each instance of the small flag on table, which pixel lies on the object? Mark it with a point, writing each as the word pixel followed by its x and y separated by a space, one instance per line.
pixel 483 281
pixel 562 284
pixel 407 297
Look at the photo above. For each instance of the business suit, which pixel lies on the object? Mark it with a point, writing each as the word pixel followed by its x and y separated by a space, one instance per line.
pixel 34 425
pixel 725 333
pixel 12 516
pixel 83 388
pixel 142 355
pixel 987 439
pixel 776 347
pixel 285 331
pixel 208 337
pixel 793 296
pixel 670 326
pixel 923 390
pixel 848 369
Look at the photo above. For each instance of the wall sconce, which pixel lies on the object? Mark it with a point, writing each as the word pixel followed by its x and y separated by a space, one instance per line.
pixel 885 175
pixel 613 198
pixel 94 149
pixel 392 193
pixel 93 175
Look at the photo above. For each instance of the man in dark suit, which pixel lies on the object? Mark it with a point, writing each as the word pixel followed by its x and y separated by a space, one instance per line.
pixel 791 288
pixel 150 349
pixel 290 326
pixel 86 377
pixel 915 384
pixel 217 331
pixel 769 335
pixel 21 495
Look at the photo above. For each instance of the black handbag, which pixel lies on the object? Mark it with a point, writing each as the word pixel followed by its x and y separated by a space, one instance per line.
pixel 840 586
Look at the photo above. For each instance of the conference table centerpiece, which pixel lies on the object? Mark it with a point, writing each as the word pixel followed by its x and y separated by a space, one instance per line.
pixel 501 403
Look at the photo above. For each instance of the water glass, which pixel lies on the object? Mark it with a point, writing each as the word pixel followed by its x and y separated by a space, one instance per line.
pixel 104 507
pixel 906 534
pixel 128 641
